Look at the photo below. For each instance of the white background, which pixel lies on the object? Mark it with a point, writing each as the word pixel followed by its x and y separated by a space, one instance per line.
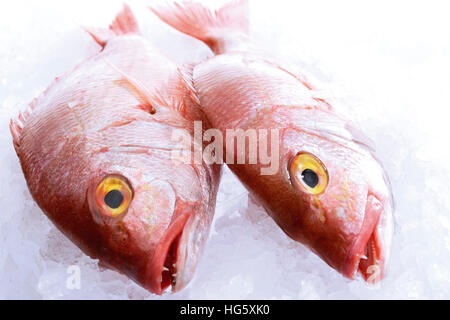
pixel 387 63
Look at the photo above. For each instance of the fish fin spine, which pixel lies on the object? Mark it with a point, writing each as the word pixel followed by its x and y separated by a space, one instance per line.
pixel 100 35
pixel 203 24
pixel 186 74
pixel 150 98
pixel 124 23
pixel 16 125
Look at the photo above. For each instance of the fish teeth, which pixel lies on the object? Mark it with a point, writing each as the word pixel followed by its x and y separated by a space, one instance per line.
pixel 174 279
pixel 165 269
pixel 364 257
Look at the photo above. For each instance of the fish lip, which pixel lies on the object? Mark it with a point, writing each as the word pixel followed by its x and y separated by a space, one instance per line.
pixel 161 267
pixel 367 255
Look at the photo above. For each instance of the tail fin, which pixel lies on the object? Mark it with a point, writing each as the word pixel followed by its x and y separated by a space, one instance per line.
pixel 210 27
pixel 124 23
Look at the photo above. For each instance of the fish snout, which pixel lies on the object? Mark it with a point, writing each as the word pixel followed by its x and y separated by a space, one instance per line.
pixel 369 252
pixel 165 267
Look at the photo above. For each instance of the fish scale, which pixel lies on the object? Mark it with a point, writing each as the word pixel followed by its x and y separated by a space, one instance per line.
pixel 107 125
pixel 242 87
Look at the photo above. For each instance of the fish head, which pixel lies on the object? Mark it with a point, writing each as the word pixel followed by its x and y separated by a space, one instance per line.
pixel 338 202
pixel 124 199
pixel 153 217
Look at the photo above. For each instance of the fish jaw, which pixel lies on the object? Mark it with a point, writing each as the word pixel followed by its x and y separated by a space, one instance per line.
pixel 369 252
pixel 166 261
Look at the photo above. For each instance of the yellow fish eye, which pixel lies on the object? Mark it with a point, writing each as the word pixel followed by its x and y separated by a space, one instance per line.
pixel 113 196
pixel 308 173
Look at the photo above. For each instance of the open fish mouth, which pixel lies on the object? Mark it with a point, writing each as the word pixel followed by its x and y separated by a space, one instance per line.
pixel 368 253
pixel 371 263
pixel 162 269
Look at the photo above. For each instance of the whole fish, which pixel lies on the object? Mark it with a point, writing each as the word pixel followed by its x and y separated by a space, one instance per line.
pixel 96 151
pixel 326 190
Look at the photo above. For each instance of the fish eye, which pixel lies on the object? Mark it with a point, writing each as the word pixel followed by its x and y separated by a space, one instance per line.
pixel 114 199
pixel 113 196
pixel 308 173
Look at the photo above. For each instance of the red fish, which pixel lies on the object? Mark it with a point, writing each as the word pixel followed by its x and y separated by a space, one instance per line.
pixel 96 151
pixel 327 190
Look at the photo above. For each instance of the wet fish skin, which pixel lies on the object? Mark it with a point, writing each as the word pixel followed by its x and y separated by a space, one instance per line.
pixel 114 116
pixel 242 87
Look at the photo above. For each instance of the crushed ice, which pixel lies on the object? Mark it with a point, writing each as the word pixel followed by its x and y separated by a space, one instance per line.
pixel 391 73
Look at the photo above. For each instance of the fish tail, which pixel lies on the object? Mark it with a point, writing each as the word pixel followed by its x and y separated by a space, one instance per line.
pixel 218 29
pixel 124 23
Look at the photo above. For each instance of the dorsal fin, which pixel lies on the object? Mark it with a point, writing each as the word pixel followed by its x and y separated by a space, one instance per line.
pixel 124 23
pixel 16 127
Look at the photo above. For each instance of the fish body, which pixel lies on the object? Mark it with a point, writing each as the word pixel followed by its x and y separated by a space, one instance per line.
pixel 96 151
pixel 328 191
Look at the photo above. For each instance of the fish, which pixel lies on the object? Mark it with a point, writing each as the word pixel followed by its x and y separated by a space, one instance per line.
pixel 96 149
pixel 327 190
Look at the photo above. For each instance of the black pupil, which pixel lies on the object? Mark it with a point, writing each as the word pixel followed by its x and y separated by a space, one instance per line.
pixel 114 199
pixel 310 178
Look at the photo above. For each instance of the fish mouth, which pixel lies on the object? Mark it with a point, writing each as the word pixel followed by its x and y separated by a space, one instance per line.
pixel 164 267
pixel 368 254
